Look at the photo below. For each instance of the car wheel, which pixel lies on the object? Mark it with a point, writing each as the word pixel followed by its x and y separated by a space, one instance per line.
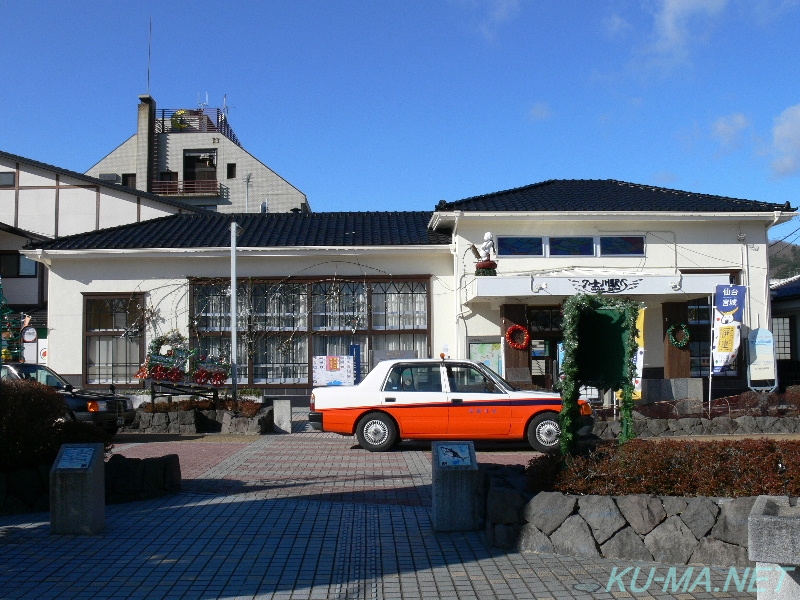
pixel 544 432
pixel 376 432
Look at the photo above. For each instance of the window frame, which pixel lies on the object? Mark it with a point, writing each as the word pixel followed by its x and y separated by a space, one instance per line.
pixel 88 334
pixel 20 258
pixel 365 333
pixel 11 175
pixel 546 246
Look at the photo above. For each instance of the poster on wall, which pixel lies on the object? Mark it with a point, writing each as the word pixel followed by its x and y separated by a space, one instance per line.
pixel 487 353
pixel 729 303
pixel 334 370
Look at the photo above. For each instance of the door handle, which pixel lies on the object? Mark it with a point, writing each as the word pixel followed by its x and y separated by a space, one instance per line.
pixel 456 400
pixel 390 399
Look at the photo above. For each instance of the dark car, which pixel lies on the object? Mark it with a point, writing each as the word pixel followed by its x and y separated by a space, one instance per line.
pixel 107 410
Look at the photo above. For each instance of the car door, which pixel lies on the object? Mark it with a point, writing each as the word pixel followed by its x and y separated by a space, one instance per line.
pixel 477 407
pixel 413 395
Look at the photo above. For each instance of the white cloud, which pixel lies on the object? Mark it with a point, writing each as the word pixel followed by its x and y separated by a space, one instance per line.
pixel 540 112
pixel 673 24
pixel 786 142
pixel 615 25
pixel 728 130
pixel 490 14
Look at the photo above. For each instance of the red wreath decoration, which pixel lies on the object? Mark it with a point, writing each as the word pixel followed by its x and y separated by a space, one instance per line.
pixel 201 376
pixel 526 337
pixel 218 378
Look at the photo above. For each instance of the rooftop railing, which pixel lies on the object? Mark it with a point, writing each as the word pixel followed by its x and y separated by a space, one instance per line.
pixel 187 188
pixel 184 120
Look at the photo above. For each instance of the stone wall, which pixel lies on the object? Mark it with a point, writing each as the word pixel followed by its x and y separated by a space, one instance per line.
pixel 747 425
pixel 666 529
pixel 203 421
pixel 126 480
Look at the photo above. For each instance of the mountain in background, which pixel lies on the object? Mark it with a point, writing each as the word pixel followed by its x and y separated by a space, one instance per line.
pixel 784 260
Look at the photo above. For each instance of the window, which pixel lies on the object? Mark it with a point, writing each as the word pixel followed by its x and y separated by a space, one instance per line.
pixel 571 246
pixel 782 336
pixel 622 245
pixel 8 179
pixel 14 265
pixel 231 174
pixel 129 180
pixel 467 379
pixel 520 246
pixel 113 338
pixel 283 325
pixel 605 245
pixel 408 378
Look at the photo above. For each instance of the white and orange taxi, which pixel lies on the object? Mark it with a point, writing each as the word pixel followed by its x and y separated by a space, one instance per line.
pixel 441 400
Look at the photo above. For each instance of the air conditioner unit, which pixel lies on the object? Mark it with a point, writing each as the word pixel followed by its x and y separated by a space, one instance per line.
pixel 110 177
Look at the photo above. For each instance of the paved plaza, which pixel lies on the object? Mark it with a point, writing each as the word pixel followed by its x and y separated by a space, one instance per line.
pixel 310 515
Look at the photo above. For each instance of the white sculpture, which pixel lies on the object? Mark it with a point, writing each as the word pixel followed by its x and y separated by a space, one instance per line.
pixel 487 247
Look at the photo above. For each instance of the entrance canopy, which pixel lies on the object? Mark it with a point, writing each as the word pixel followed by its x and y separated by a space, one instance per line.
pixel 568 283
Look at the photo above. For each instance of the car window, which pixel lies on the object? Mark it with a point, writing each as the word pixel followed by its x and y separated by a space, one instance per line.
pixel 468 379
pixel 5 372
pixel 414 378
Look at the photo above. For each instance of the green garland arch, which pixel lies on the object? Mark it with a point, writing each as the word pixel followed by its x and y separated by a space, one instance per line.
pixel 571 380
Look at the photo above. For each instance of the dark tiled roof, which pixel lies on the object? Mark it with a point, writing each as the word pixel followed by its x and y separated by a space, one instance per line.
pixel 212 230
pixel 587 195
pixel 786 291
pixel 99 182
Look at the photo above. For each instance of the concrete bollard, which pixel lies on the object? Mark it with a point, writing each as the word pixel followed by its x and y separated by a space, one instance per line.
pixel 456 486
pixel 282 415
pixel 773 531
pixel 77 490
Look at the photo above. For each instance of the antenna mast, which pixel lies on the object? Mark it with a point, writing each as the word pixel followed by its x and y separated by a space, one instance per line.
pixel 149 47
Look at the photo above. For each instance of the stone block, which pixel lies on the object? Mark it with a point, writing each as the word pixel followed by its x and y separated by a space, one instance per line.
pixel 626 545
pixel 700 515
pixel 456 501
pixel 172 473
pixel 657 426
pixel 672 542
pixel 240 424
pixel 145 419
pixel 160 419
pixel 533 540
pixel 187 417
pixel 506 536
pixel 173 427
pixel 548 510
pixel 77 490
pixel 731 526
pixel 723 425
pixel 642 512
pixel 717 553
pixel 574 538
pixel 504 504
pixel 602 515
pixel 282 415
pixel 774 530
pixel 746 424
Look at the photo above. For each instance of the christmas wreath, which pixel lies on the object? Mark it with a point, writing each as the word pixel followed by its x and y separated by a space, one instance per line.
pixel 177 121
pixel 681 343
pixel 526 337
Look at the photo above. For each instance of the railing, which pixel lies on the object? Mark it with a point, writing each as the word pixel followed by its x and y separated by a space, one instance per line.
pixel 183 120
pixel 187 188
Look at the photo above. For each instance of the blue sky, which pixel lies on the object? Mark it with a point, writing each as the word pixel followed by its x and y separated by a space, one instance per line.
pixel 396 105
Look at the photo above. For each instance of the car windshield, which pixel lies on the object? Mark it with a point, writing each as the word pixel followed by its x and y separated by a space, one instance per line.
pixel 36 373
pixel 497 378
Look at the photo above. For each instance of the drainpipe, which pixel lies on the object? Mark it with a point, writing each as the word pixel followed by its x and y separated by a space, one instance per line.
pixel 456 289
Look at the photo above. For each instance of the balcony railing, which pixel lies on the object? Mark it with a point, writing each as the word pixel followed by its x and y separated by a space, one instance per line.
pixel 184 120
pixel 187 188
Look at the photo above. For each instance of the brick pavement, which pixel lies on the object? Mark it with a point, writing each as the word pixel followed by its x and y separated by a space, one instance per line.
pixel 310 516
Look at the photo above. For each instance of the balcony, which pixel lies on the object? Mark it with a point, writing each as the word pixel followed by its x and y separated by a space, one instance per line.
pixel 205 120
pixel 187 188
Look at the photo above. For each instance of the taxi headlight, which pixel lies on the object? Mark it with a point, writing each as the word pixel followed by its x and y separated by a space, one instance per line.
pixel 586 409
pixel 96 406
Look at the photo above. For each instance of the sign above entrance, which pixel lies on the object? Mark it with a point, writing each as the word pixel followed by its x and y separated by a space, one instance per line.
pixel 539 286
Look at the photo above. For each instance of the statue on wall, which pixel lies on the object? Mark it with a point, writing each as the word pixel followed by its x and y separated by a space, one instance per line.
pixel 486 266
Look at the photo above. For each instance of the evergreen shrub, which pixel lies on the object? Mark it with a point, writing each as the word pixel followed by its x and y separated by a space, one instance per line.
pixel 726 469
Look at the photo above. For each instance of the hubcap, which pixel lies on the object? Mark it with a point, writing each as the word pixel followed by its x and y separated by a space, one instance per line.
pixel 548 432
pixel 376 432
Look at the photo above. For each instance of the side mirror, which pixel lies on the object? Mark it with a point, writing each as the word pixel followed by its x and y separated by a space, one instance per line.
pixel 69 387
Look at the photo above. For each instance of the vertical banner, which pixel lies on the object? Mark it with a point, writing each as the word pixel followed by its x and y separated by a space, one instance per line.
pixel 728 315
pixel 638 359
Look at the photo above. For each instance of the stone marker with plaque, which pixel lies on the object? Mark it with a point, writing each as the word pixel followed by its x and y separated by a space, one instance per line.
pixel 77 490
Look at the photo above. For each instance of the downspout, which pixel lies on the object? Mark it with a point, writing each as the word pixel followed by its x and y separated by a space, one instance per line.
pixel 767 297
pixel 456 290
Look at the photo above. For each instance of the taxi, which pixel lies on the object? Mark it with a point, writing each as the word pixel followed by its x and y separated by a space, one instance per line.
pixel 442 400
